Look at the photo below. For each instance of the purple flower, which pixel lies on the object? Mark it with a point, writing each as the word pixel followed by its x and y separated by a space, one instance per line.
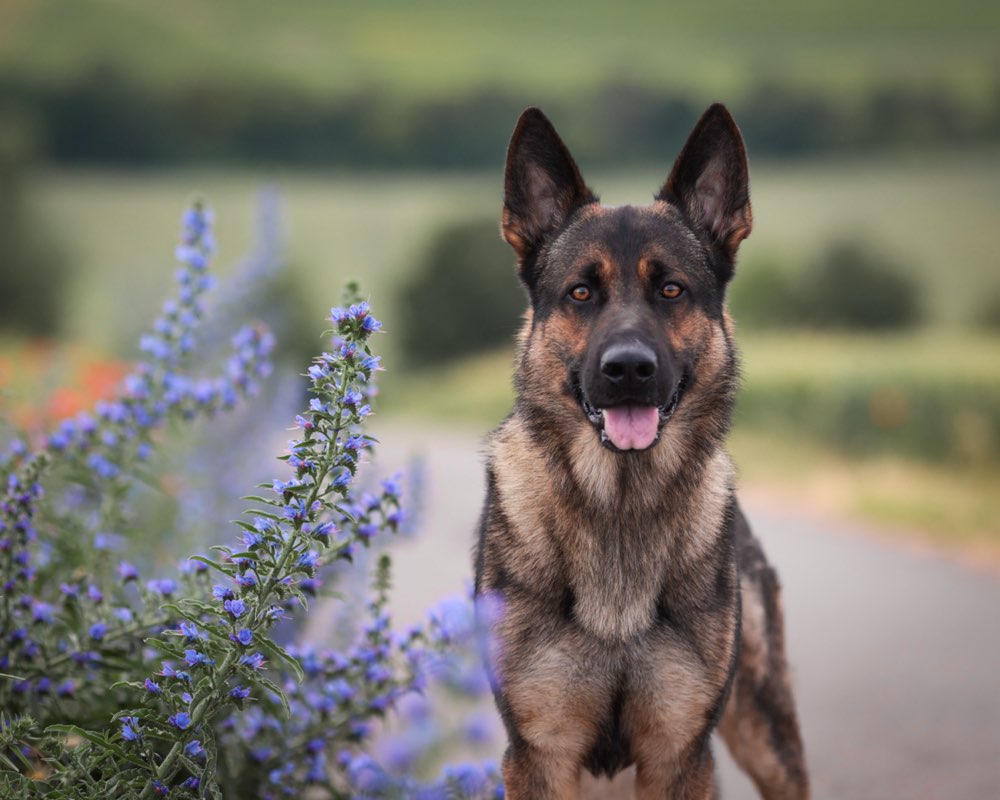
pixel 194 565
pixel 235 608
pixel 127 572
pixel 304 423
pixel 169 671
pixel 162 586
pixel 190 631
pixel 160 788
pixel 467 778
pixel 95 594
pixel 130 729
pixel 342 478
pixel 243 636
pixel 181 720
pixel 152 687
pixel 308 560
pixel 97 631
pixel 195 659
pixel 392 486
pixel 193 749
pixel 41 613
pixel 252 660
pixel 247 580
pixel 295 510
pixel 222 592
pixel 324 531
pixel 239 693
pixel 67 688
pixel 192 782
pixel 353 444
pixel 352 397
pixel 252 539
pixel 365 775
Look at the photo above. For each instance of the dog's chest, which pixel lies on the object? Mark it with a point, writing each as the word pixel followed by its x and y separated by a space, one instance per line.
pixel 616 572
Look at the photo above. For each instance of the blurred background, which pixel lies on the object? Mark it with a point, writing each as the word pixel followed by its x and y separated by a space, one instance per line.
pixel 366 141
pixel 867 299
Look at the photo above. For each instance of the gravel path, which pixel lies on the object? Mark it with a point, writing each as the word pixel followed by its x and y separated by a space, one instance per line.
pixel 895 654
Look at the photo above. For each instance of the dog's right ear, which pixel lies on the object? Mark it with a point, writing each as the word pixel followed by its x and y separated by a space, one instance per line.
pixel 542 186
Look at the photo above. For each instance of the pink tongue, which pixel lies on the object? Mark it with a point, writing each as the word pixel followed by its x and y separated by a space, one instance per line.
pixel 631 427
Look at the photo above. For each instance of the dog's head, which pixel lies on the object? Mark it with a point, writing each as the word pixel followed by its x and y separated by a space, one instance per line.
pixel 627 303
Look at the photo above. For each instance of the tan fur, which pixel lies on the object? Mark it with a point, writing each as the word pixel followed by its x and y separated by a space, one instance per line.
pixel 622 573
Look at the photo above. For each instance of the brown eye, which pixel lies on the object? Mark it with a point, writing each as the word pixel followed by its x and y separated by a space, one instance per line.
pixel 580 293
pixel 672 291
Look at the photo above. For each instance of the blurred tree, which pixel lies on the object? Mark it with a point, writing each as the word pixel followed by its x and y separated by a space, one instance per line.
pixel 764 295
pixel 462 298
pixel 852 286
pixel 33 271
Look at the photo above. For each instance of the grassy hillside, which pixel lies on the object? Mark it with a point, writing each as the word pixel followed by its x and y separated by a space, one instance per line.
pixel 440 45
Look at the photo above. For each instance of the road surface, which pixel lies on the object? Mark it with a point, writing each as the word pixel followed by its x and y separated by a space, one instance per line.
pixel 895 654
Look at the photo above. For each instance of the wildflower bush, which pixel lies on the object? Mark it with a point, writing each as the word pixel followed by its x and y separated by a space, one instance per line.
pixel 113 683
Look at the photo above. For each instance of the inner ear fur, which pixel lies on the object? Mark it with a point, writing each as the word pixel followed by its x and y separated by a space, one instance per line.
pixel 710 181
pixel 542 185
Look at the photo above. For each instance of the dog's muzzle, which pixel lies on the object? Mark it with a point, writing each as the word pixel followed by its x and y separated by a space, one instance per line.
pixel 622 397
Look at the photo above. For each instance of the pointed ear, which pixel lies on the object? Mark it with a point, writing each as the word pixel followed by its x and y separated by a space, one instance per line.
pixel 542 185
pixel 710 181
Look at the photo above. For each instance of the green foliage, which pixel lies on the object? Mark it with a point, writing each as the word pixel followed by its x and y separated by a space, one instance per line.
pixel 463 296
pixel 849 285
pixel 763 295
pixel 107 114
pixel 852 286
pixel 913 416
pixel 988 313
pixel 33 272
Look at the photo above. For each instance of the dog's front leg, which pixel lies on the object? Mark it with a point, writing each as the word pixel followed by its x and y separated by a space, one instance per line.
pixel 689 777
pixel 553 694
pixel 532 774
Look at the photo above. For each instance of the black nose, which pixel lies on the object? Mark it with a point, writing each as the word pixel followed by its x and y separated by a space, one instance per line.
pixel 629 365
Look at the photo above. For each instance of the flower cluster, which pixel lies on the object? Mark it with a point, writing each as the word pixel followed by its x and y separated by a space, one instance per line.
pixel 59 630
pixel 206 701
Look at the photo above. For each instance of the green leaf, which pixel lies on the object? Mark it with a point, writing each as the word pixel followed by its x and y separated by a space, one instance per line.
pixel 98 739
pixel 268 684
pixel 214 565
pixel 277 652
pixel 256 498
pixel 265 514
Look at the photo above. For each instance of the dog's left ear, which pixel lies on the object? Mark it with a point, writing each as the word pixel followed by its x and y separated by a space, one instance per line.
pixel 710 183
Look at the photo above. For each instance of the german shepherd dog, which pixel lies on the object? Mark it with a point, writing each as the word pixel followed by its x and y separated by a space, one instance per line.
pixel 637 611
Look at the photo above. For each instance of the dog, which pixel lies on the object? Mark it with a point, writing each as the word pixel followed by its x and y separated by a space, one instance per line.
pixel 634 611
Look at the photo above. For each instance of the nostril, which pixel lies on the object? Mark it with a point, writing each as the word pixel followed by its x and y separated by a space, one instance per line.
pixel 613 370
pixel 644 370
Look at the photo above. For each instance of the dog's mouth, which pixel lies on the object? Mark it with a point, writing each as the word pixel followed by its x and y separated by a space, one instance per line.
pixel 630 426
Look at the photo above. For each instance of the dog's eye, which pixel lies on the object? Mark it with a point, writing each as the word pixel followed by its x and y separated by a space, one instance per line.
pixel 581 293
pixel 672 290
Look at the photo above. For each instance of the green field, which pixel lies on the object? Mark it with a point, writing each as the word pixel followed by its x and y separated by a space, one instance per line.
pixel 439 46
pixel 812 406
pixel 936 216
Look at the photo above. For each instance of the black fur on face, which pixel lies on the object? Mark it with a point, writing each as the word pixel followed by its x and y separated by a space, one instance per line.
pixel 629 281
